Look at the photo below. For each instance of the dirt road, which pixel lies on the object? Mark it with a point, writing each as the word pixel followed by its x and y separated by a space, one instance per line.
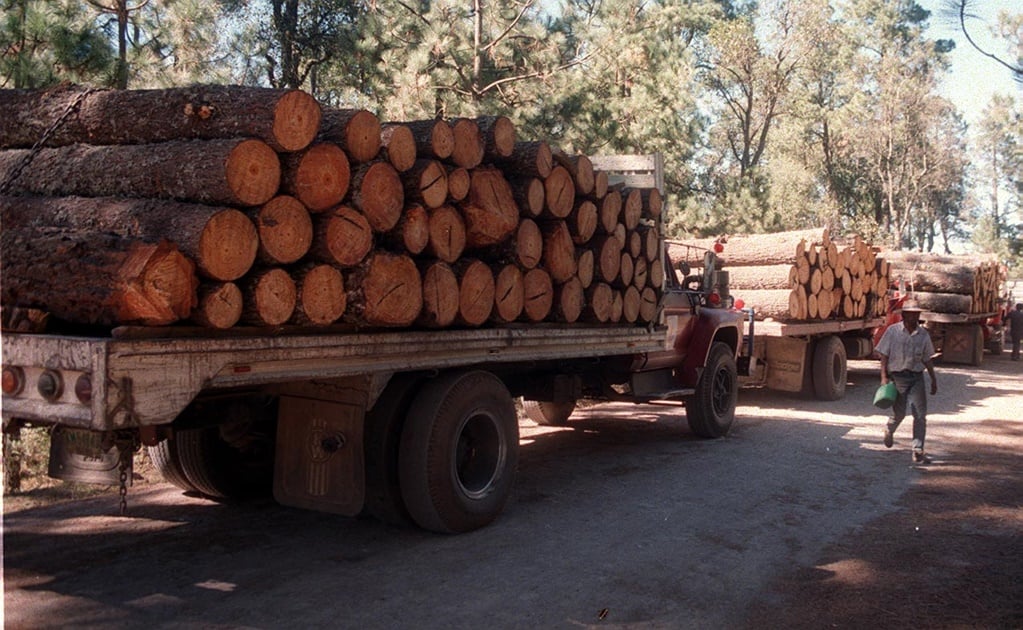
pixel 800 518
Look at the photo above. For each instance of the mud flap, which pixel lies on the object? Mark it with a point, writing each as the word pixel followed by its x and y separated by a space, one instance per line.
pixel 85 457
pixel 319 462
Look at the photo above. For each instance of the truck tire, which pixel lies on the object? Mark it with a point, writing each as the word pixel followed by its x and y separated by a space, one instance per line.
pixel 459 452
pixel 711 410
pixel 830 369
pixel 547 413
pixel 165 459
pixel 235 459
pixel 382 442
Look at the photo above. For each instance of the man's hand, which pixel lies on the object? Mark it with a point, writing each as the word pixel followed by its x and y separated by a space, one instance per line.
pixel 934 386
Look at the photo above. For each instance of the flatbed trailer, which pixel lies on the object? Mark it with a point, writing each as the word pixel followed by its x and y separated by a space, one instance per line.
pixel 805 357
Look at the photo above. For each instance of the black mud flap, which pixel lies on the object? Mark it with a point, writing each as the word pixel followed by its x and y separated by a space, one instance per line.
pixel 85 457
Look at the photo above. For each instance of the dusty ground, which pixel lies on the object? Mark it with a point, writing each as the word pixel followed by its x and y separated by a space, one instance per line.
pixel 800 518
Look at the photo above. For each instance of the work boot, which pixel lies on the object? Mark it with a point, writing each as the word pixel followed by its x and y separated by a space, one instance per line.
pixel 919 457
pixel 888 440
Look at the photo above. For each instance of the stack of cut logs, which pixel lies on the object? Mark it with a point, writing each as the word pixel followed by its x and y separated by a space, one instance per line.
pixel 226 205
pixel 797 276
pixel 948 284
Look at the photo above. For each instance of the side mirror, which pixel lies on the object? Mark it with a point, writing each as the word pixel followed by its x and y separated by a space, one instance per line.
pixel 683 266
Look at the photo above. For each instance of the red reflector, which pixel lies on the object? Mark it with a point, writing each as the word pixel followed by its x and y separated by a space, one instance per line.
pixel 739 304
pixel 83 388
pixel 718 248
pixel 714 299
pixel 13 380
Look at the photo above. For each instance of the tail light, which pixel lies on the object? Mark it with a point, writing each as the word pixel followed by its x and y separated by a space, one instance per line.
pixel 83 388
pixel 13 380
pixel 50 385
pixel 714 299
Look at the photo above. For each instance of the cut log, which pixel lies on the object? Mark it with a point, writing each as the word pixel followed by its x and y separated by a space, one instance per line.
pixel 559 193
pixel 398 146
pixel 321 295
pixel 434 138
pixel 490 213
pixel 599 186
pixel 318 176
pixel 529 159
pixel 509 294
pixel 440 294
pixel 753 249
pixel 585 266
pixel 447 234
pixel 599 299
pixel 269 297
pixel 285 230
pixel 356 130
pixel 657 274
pixel 760 277
pixel 582 221
pixel 634 244
pixel 499 136
pixel 412 234
pixel 625 271
pixel 558 251
pixel 219 306
pixel 459 181
pixel 385 290
pixel 221 241
pixel 640 273
pixel 779 304
pixel 632 302
pixel 632 208
pixel 935 277
pixel 341 237
pixel 476 292
pixel 943 302
pixel 581 169
pixel 468 148
pixel 287 120
pixel 427 183
pixel 219 172
pixel 96 278
pixel 648 306
pixel 529 195
pixel 653 202
pixel 539 295
pixel 608 253
pixel 610 211
pixel 569 300
pixel 617 307
pixel 377 193
pixel 524 248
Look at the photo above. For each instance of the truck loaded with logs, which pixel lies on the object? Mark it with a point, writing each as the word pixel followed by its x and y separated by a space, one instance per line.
pixel 812 304
pixel 964 299
pixel 268 294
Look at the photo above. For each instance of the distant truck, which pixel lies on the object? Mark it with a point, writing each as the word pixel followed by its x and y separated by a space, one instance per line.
pixel 957 337
pixel 413 425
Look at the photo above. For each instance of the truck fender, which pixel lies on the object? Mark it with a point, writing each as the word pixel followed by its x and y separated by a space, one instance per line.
pixel 710 326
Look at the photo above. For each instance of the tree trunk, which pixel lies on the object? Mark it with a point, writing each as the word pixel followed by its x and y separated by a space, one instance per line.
pixel 221 241
pixel 469 145
pixel 440 294
pixel 476 291
pixel 321 296
pixel 653 202
pixel 569 300
pixel 341 237
pixel 220 305
pixel 318 177
pixel 398 146
pixel 96 278
pixel 287 120
pixel 385 290
pixel 433 138
pixel 600 189
pixel 529 159
pixel 752 249
pixel 427 183
pixel 640 274
pixel 447 234
pixel 269 297
pixel 378 193
pixel 539 295
pixel 356 130
pixel 490 213
pixel 285 230
pixel 229 172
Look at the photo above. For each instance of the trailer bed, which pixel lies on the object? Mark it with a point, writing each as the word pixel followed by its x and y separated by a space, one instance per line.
pixel 801 329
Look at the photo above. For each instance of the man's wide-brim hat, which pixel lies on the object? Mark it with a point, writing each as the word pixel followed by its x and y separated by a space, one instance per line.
pixel 911 306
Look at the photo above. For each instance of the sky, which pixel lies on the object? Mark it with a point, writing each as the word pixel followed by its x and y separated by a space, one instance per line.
pixel 974 78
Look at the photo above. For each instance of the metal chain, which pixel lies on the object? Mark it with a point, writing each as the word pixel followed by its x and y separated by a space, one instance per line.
pixel 124 465
pixel 25 161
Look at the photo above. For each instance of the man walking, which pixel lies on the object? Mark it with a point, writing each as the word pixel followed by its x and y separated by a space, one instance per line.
pixel 906 351
pixel 1016 329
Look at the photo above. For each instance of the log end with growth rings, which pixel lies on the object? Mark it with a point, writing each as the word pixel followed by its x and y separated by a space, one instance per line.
pixel 253 172
pixel 296 120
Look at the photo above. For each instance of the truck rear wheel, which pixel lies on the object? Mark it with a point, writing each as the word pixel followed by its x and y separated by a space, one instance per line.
pixel 165 459
pixel 459 452
pixel 830 369
pixel 382 441
pixel 234 459
pixel 547 413
pixel 711 410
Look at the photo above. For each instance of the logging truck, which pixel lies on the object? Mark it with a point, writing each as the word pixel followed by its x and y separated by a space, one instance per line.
pixel 415 425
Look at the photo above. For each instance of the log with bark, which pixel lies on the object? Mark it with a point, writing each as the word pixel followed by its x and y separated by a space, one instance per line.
pixel 476 291
pixel 96 278
pixel 321 297
pixel 559 193
pixel 221 241
pixel 229 172
pixel 356 130
pixel 529 195
pixel 285 230
pixel 378 193
pixel 318 176
pixel 538 292
pixel 219 305
pixel 427 183
pixel 468 149
pixel 509 294
pixel 459 181
pixel 385 290
pixel 599 300
pixel 529 159
pixel 581 169
pixel 341 237
pixel 447 234
pixel 499 136
pixel 287 120
pixel 489 210
pixel 412 234
pixel 269 297
pixel 440 294
pixel 569 300
pixel 433 138
pixel 559 257
pixel 398 146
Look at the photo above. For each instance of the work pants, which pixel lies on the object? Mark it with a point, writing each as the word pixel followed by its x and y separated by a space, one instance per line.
pixel 911 394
